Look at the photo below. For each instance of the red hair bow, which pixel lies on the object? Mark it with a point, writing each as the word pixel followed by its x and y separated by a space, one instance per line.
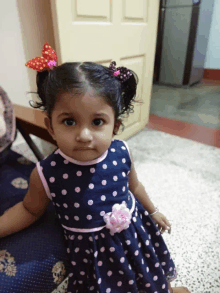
pixel 48 60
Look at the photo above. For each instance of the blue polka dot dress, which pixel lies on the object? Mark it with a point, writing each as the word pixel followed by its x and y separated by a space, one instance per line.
pixel 134 259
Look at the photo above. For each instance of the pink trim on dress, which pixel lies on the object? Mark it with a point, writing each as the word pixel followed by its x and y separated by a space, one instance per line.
pixel 44 182
pixel 82 163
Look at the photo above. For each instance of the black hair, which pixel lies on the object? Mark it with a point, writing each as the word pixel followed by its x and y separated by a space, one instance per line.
pixel 78 78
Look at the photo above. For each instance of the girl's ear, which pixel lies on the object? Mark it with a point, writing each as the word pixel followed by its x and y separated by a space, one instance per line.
pixel 48 125
pixel 116 127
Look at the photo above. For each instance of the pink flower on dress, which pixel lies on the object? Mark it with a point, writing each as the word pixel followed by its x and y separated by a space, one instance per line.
pixel 51 63
pixel 119 219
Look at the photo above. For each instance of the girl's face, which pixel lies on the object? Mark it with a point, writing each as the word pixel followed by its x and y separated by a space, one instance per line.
pixel 82 122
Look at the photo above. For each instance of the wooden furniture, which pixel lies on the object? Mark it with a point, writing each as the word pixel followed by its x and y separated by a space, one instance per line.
pixel 31 121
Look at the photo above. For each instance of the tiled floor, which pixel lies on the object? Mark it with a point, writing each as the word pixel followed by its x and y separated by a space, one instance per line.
pixel 193 113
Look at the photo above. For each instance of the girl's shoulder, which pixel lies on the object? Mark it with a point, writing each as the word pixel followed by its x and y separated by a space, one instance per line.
pixel 122 144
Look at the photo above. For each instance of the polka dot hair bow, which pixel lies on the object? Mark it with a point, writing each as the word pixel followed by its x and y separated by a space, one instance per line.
pixel 46 62
pixel 121 73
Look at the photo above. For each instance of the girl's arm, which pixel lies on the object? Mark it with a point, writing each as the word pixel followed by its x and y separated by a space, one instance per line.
pixel 138 189
pixel 26 212
pixel 139 192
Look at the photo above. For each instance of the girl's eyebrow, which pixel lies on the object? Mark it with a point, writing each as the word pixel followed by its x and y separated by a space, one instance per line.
pixel 95 114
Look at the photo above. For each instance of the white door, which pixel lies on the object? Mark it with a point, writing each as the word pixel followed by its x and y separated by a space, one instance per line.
pixel 102 31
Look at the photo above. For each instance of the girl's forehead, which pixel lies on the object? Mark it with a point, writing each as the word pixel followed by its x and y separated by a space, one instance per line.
pixel 84 102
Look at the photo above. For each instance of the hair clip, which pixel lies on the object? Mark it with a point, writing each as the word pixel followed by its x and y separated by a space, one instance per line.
pixel 121 73
pixel 48 61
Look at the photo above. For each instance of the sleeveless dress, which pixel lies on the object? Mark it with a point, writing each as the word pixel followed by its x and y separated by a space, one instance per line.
pixel 104 259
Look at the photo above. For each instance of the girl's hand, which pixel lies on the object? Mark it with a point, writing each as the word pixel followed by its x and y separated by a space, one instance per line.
pixel 162 222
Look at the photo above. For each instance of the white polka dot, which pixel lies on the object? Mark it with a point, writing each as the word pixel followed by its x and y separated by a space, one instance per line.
pixel 109 273
pixel 95 254
pixel 103 197
pixel 77 189
pixel 163 263
pixel 82 273
pixel 119 284
pixel 136 252
pixel 102 249
pixel 52 179
pixel 155 278
pixel 66 217
pixel 122 259
pixel 114 163
pixel 66 162
pixel 103 235
pixel 72 237
pixel 90 238
pixel 89 217
pixel 73 263
pixel 64 192
pixel 65 205
pixel 108 290
pixel 104 182
pixel 90 202
pixel 76 218
pixel 77 249
pixel 123 174
pixel 139 244
pixel 123 189
pixel 68 250
pixel 128 242
pixel 148 224
pixel 147 285
pixel 146 213
pixel 163 286
pixel 70 275
pixel 114 193
pixel 129 266
pixel 99 281
pixel 123 160
pixel 111 259
pixel 134 219
pixel 112 249
pixel 147 242
pixel 53 194
pixel 135 235
pixel 130 282
pixel 57 205
pixel 102 213
pixel 158 233
pixel 65 176
pixel 87 251
pixel 91 288
pixel 115 178
pixel 92 170
pixel 85 260
pixel 157 244
pixel 97 237
pixel 147 269
pixel 79 173
pixel 100 263
pixel 80 237
pixel 76 205
pixel 53 163
pixel 112 150
pixel 142 228
pixel 104 166
pixel 157 265
pixel 121 272
pixel 123 147
pixel 91 185
pixel 165 252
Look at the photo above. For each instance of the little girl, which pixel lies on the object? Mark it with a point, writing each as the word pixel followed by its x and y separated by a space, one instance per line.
pixel 112 229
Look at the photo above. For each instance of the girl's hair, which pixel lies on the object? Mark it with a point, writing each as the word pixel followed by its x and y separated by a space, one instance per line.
pixel 78 78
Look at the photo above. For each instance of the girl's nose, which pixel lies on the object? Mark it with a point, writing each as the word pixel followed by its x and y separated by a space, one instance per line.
pixel 84 135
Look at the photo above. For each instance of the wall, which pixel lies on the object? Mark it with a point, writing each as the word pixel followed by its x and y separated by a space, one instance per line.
pixel 25 25
pixel 213 51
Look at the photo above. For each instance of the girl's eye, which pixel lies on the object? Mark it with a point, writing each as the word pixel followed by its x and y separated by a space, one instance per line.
pixel 68 119
pixel 98 124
